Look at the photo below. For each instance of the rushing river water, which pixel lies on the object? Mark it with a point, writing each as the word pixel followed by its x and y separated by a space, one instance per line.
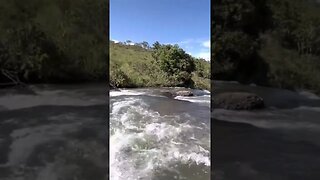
pixel 59 132
pixel 159 138
pixel 278 142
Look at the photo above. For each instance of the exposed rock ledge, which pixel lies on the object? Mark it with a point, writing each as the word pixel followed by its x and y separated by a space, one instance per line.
pixel 184 93
pixel 238 101
pixel 174 93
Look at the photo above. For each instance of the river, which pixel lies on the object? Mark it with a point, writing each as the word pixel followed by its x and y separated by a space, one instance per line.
pixel 153 137
pixel 59 131
pixel 279 142
pixel 53 132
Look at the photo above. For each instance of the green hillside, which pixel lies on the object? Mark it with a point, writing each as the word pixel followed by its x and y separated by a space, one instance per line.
pixel 135 66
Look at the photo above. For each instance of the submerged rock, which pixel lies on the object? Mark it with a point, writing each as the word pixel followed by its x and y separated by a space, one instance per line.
pixel 238 101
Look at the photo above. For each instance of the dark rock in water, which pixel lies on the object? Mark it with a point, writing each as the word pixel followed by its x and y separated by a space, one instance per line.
pixel 238 101
pixel 112 87
pixel 184 93
pixel 174 93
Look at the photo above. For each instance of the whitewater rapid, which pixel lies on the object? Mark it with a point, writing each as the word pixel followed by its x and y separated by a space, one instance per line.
pixel 148 144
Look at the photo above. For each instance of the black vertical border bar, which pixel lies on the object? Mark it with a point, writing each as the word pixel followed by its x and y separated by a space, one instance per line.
pixel 212 90
pixel 107 29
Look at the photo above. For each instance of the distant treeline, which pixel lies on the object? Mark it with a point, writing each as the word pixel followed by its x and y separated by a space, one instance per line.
pixel 53 40
pixel 143 44
pixel 142 65
pixel 267 42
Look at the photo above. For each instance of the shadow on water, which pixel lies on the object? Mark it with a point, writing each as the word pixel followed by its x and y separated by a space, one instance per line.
pixel 242 151
pixel 60 142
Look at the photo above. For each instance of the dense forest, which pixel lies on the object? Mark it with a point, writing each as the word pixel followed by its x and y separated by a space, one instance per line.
pixel 53 41
pixel 267 42
pixel 159 65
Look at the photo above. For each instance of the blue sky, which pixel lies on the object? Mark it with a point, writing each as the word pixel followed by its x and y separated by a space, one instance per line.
pixel 182 22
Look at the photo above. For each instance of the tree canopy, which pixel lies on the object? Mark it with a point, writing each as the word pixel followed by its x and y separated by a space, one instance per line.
pixel 54 40
pixel 174 61
pixel 251 38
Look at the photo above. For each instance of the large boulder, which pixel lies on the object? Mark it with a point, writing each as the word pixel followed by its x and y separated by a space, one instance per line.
pixel 238 101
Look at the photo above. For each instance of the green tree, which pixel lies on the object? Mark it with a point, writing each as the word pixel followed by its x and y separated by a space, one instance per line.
pixel 175 62
pixel 54 40
pixel 237 26
pixel 128 42
pixel 145 44
pixel 156 45
pixel 202 68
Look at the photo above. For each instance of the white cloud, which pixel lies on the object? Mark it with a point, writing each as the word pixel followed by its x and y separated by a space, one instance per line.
pixel 204 55
pixel 189 53
pixel 115 41
pixel 188 41
pixel 206 44
pixel 167 43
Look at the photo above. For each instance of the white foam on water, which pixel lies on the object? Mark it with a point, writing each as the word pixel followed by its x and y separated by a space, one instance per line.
pixel 195 157
pixel 201 97
pixel 143 142
pixel 125 92
pixel 205 99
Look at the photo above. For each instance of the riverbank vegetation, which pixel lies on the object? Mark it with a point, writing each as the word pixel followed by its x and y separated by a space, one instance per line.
pixel 272 43
pixel 53 41
pixel 159 65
